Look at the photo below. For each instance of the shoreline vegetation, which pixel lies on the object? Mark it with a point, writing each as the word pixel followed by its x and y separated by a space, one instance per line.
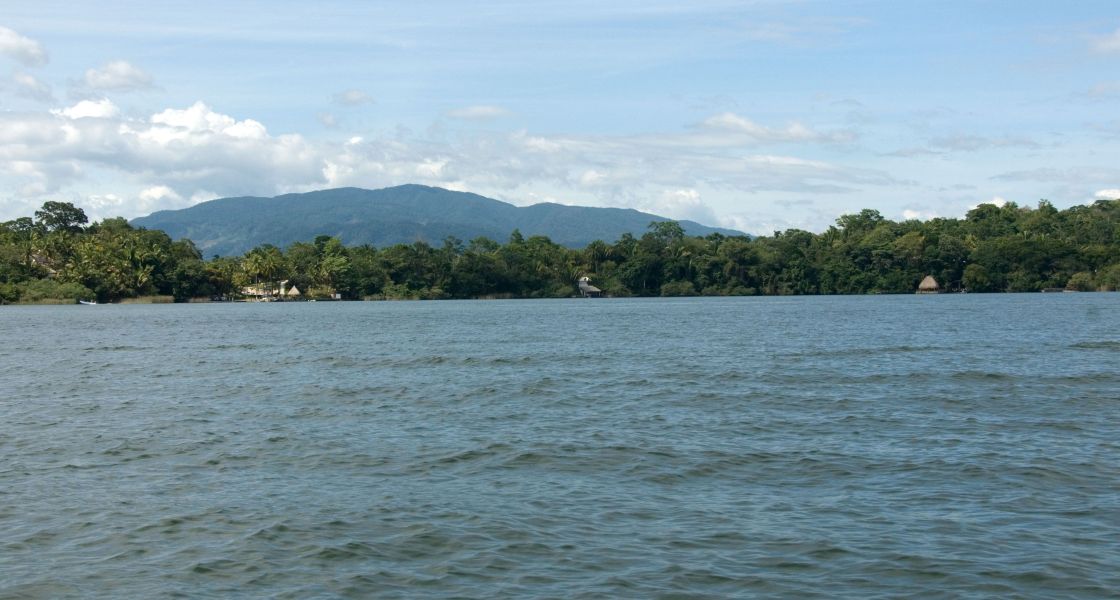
pixel 58 257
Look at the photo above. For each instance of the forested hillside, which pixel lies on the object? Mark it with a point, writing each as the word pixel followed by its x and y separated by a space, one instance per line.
pixel 398 215
pixel 56 255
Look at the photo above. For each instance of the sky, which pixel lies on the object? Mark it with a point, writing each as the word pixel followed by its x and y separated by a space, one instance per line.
pixel 759 115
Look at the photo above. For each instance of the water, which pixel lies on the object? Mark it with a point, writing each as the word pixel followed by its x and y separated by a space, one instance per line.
pixel 946 446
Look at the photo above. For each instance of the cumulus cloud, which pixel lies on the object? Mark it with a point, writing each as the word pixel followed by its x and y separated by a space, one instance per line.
pixel 158 197
pixel 104 204
pixel 1109 194
pixel 431 169
pixel 96 109
pixel 192 152
pixel 28 86
pixel 591 178
pixel 182 155
pixel 1107 43
pixel 159 192
pixel 198 120
pixel 202 196
pixel 352 98
pixel 910 214
pixel 117 76
pixel 995 201
pixel 683 204
pixel 658 173
pixel 611 170
pixel 37 178
pixel 21 49
pixel 478 113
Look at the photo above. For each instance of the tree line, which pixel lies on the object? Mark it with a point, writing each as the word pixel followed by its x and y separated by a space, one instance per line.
pixel 56 255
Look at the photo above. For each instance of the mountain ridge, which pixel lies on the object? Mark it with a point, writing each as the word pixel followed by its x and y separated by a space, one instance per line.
pixel 387 216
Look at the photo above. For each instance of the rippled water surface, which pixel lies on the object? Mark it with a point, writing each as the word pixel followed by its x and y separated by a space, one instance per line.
pixel 943 446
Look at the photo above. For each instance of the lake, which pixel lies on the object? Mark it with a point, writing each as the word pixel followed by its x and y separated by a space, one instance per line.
pixel 871 446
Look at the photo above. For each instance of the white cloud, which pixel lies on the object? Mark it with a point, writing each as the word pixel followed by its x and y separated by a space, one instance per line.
pixel 157 192
pixel 118 76
pixel 36 177
pixel 748 225
pixel 910 214
pixel 591 177
pixel 431 169
pixel 28 86
pixel 179 156
pixel 1109 194
pixel 159 197
pixel 612 170
pixel 327 119
pixel 176 153
pixel 150 199
pixel 478 113
pixel 683 204
pixel 21 49
pixel 203 196
pixel 732 123
pixel 172 124
pixel 1107 43
pixel 995 201
pixel 96 109
pixel 103 204
pixel 352 98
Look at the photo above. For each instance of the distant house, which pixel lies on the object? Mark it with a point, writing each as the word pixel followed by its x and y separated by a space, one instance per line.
pixel 267 292
pixel 257 291
pixel 587 290
pixel 929 286
pixel 40 260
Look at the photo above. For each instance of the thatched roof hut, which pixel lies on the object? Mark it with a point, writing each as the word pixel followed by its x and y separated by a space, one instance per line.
pixel 929 286
pixel 294 292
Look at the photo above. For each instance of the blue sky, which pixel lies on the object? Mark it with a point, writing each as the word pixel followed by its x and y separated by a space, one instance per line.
pixel 759 115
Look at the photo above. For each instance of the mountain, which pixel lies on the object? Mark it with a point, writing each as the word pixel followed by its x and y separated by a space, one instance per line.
pixel 403 214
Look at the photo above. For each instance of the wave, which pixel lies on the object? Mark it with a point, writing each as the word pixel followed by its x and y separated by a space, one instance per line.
pixel 1112 345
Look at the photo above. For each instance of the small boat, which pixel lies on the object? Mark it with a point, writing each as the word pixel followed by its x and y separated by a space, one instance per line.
pixel 88 302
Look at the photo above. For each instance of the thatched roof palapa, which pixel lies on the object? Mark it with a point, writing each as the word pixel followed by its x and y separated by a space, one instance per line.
pixel 928 286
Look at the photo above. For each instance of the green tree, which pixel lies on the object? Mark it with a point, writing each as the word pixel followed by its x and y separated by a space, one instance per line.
pixel 976 279
pixel 61 216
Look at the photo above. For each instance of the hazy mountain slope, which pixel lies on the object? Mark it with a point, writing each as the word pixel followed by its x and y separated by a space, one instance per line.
pixel 402 214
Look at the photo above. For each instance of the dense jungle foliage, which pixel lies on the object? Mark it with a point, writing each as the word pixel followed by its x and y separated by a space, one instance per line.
pixel 57 256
